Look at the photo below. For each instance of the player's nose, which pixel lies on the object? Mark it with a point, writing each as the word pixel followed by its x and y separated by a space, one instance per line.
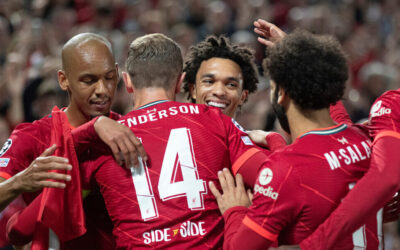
pixel 219 89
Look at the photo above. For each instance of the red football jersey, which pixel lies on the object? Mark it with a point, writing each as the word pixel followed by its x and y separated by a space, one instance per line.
pixel 302 184
pixel 25 144
pixel 385 113
pixel 167 204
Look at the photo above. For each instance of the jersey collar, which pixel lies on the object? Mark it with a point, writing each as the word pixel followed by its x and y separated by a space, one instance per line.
pixel 152 104
pixel 325 131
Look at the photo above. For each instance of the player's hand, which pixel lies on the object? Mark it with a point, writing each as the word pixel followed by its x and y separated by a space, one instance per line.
pixel 232 195
pixel 125 146
pixel 270 140
pixel 38 175
pixel 269 33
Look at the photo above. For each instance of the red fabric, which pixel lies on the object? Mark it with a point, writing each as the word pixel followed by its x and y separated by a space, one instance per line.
pixel 339 114
pixel 239 236
pixel 370 192
pixel 275 141
pixel 21 226
pixel 61 209
pixel 363 199
pixel 251 167
pixel 210 142
pixel 5 215
pixel 301 185
pixel 40 238
pixel 385 113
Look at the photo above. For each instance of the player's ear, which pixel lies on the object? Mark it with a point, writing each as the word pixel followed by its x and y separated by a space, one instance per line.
pixel 116 68
pixel 243 98
pixel 181 77
pixel 128 82
pixel 282 95
pixel 192 91
pixel 62 80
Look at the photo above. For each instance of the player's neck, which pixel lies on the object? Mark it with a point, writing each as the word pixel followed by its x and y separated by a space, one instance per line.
pixel 75 117
pixel 303 121
pixel 147 95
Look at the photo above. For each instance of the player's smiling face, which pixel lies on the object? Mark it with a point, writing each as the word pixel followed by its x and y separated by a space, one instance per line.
pixel 219 83
pixel 92 79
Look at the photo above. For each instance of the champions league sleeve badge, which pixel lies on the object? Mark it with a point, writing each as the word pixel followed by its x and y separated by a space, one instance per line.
pixel 6 146
pixel 238 125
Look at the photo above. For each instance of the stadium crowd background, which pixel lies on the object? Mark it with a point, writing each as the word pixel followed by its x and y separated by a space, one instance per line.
pixel 32 33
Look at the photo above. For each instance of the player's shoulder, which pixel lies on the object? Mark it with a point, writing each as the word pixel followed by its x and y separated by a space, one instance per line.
pixel 277 170
pixel 37 127
pixel 281 159
pixel 385 103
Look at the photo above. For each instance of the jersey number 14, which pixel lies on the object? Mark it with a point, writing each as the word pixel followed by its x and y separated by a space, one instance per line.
pixel 179 151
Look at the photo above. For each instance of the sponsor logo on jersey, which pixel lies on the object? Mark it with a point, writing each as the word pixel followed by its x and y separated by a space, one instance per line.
pixel 185 230
pixel 268 192
pixel 4 162
pixel 238 125
pixel 265 176
pixel 379 110
pixel 246 140
pixel 6 146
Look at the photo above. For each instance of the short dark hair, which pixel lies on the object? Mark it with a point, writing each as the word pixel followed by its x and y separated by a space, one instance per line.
pixel 220 47
pixel 154 60
pixel 312 69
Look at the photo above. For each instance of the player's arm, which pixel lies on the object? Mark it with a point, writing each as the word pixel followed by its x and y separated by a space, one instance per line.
pixel 339 114
pixel 233 203
pixel 245 157
pixel 21 226
pixel 125 146
pixel 270 140
pixel 366 198
pixel 35 177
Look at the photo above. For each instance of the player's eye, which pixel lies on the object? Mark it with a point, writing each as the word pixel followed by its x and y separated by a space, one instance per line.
pixel 232 84
pixel 110 76
pixel 208 81
pixel 88 80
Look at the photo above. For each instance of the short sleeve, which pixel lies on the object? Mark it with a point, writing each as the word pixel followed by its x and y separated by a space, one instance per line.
pixel 26 143
pixel 241 148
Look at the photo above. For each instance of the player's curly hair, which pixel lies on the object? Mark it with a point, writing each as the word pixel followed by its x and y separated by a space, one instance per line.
pixel 312 69
pixel 220 47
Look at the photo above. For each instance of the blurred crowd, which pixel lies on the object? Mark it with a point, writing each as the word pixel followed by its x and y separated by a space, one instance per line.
pixel 32 33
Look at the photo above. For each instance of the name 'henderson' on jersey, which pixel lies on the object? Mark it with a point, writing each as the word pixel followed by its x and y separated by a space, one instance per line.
pixel 167 203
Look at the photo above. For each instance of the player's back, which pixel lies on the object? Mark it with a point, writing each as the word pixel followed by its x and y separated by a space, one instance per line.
pixel 309 178
pixel 167 204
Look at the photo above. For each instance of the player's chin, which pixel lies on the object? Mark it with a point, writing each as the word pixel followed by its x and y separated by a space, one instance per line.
pixel 99 112
pixel 229 111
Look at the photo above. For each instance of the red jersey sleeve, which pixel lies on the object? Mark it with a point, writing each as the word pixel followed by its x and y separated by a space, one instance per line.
pixel 26 142
pixel 239 236
pixel 339 113
pixel 246 158
pixel 362 200
pixel 84 135
pixel 385 114
pixel 277 199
